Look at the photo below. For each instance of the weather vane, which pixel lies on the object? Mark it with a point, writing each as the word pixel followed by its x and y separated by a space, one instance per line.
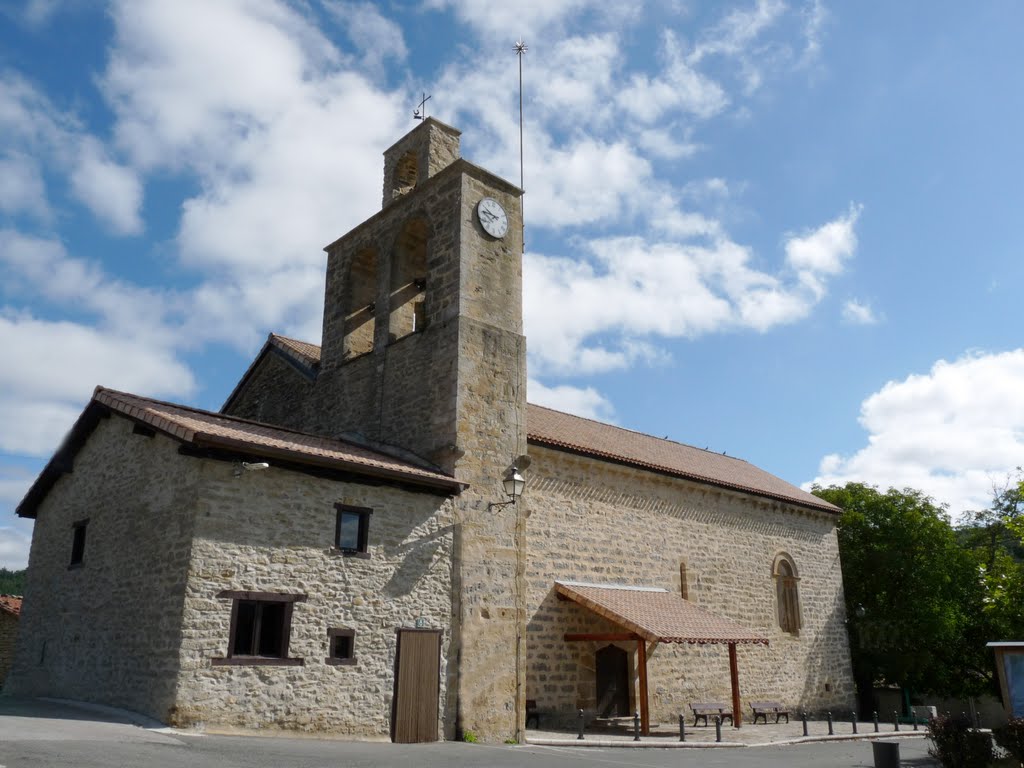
pixel 420 113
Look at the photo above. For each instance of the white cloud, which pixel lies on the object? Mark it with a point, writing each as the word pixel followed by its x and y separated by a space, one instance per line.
pixel 14 545
pixel 581 401
pixel 375 36
pixel 815 17
pixel 953 432
pixel 679 87
pixel 22 189
pixel 111 191
pixel 823 252
pixel 524 17
pixel 39 267
pixel 52 367
pixel 601 309
pixel 859 313
pixel 36 129
pixel 38 12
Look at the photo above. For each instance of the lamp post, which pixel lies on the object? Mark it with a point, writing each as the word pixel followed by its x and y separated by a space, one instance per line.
pixel 513 483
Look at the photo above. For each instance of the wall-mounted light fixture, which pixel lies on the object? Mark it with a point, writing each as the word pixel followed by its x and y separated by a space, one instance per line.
pixel 513 483
pixel 250 466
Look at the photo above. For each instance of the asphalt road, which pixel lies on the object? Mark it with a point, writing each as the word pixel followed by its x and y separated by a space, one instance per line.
pixel 35 734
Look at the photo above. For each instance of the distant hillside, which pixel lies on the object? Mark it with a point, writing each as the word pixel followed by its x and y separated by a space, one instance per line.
pixel 12 582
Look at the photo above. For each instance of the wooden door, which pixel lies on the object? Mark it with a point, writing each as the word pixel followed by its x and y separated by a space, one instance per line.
pixel 612 682
pixel 417 686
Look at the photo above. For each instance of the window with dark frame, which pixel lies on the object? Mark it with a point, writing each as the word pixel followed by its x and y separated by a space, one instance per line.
pixel 341 646
pixel 352 529
pixel 787 595
pixel 78 542
pixel 260 628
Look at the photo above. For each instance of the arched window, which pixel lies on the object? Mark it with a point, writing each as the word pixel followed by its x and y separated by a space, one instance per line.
pixel 787 594
pixel 409 280
pixel 405 176
pixel 360 310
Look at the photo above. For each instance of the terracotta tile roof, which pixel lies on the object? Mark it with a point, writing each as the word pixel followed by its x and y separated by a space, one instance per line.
pixel 208 430
pixel 562 430
pixel 205 428
pixel 657 614
pixel 10 604
pixel 593 438
pixel 306 352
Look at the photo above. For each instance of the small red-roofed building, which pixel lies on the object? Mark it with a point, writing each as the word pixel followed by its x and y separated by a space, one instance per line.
pixel 346 547
pixel 10 611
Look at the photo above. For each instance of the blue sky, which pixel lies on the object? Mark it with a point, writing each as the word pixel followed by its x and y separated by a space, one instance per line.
pixel 785 230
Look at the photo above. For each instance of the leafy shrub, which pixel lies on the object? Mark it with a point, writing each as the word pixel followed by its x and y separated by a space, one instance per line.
pixel 1011 738
pixel 955 744
pixel 469 737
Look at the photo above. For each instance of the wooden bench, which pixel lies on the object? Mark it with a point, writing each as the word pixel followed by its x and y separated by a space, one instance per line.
pixel 764 708
pixel 706 709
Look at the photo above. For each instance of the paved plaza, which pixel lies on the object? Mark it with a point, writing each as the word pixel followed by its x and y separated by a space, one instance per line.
pixel 36 733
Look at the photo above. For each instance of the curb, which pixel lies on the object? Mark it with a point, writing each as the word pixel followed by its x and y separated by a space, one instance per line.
pixel 123 715
pixel 666 744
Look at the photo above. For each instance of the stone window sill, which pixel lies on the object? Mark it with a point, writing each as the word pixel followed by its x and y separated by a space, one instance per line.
pixel 348 553
pixel 340 662
pixel 255 661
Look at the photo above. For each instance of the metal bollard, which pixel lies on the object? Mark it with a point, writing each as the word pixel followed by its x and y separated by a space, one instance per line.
pixel 804 716
pixel 913 716
pixel 853 719
pixel 896 720
pixel 580 737
pixel 636 726
pixel 830 731
pixel 874 717
pixel 718 728
pixel 682 727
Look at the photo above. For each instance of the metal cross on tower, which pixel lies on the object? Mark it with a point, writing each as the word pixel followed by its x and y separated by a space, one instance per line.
pixel 420 113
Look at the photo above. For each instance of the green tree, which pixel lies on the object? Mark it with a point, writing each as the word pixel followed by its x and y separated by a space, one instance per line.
pixel 913 594
pixel 995 536
pixel 12 582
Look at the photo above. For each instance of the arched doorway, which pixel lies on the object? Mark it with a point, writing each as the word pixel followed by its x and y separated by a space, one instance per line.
pixel 612 666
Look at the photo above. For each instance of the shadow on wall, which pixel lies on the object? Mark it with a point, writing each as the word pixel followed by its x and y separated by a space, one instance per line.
pixel 822 684
pixel 414 561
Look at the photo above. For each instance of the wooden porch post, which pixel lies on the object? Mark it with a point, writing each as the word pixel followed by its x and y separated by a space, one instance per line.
pixel 734 676
pixel 641 661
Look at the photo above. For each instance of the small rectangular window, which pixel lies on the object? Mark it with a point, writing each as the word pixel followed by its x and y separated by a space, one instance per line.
pixel 78 543
pixel 341 645
pixel 260 628
pixel 352 529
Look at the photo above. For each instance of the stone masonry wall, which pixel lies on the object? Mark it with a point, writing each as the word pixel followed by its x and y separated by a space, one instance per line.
pixel 595 521
pixel 273 531
pixel 276 392
pixel 8 635
pixel 108 631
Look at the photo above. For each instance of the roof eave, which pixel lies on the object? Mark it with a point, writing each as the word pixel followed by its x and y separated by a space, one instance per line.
pixel 824 507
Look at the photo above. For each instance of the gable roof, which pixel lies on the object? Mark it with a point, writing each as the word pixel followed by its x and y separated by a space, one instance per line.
pixel 587 437
pixel 207 430
pixel 593 438
pixel 657 615
pixel 11 605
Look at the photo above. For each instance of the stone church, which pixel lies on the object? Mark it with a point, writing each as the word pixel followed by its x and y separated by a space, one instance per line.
pixel 347 546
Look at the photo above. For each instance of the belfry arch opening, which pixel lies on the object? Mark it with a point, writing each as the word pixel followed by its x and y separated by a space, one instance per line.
pixel 405 175
pixel 409 280
pixel 359 304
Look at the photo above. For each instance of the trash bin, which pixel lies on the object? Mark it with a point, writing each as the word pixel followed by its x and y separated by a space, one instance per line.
pixel 887 754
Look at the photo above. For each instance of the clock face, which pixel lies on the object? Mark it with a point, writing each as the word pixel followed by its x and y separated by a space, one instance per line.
pixel 492 217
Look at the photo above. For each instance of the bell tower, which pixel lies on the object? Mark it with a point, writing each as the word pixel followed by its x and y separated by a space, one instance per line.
pixel 423 349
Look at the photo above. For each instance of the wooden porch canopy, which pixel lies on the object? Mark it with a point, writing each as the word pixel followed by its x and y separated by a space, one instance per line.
pixel 652 614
